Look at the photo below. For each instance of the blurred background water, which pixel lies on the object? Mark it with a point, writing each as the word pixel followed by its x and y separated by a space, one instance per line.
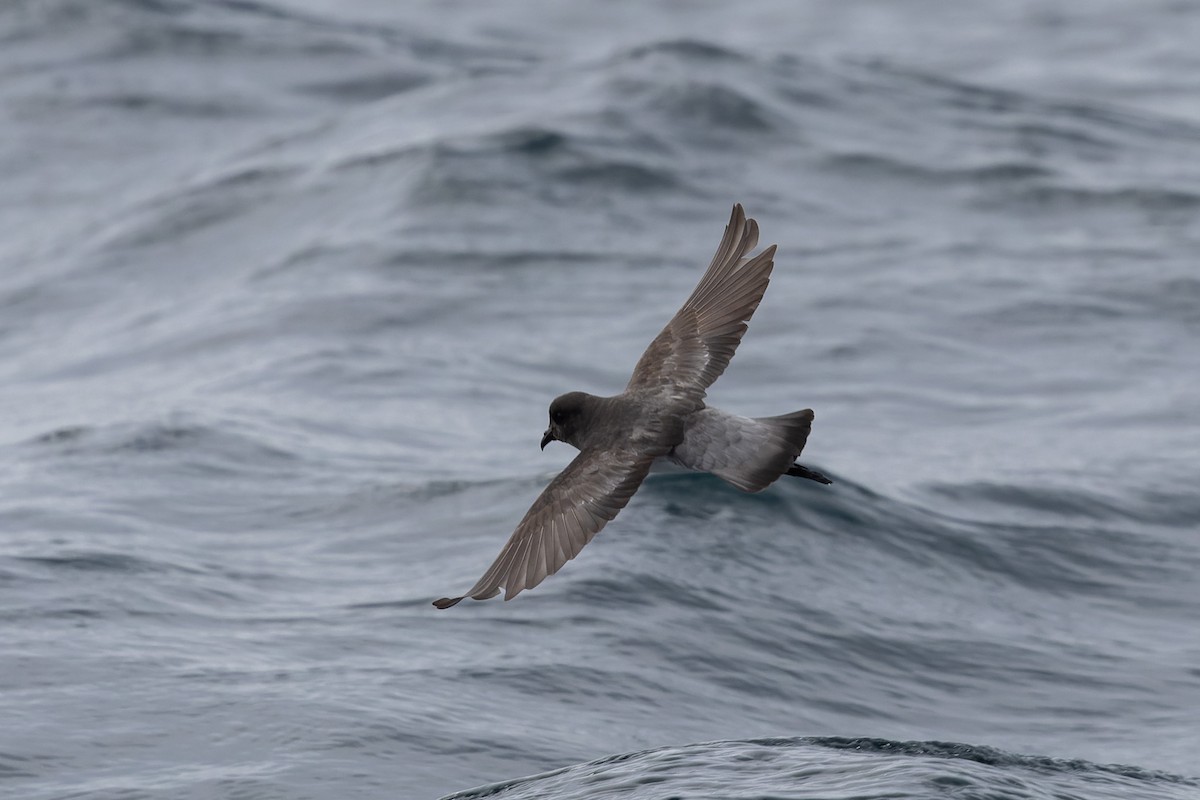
pixel 287 285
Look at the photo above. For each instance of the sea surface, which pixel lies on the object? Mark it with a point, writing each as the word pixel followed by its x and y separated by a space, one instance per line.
pixel 286 287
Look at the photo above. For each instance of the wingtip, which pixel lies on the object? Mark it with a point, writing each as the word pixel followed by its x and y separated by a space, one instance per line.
pixel 446 602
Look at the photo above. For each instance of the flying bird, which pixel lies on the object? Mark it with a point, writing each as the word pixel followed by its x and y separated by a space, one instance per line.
pixel 661 415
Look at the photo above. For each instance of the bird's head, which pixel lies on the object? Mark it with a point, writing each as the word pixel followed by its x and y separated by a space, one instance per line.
pixel 568 413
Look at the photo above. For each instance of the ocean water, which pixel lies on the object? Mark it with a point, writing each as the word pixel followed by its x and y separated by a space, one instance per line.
pixel 287 285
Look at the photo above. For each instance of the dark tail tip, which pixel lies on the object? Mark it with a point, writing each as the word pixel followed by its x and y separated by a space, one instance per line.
pixel 446 602
pixel 801 471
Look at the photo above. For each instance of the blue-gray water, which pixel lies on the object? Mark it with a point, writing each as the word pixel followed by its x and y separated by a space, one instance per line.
pixel 286 287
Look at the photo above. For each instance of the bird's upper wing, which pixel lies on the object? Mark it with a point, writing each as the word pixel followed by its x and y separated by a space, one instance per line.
pixel 695 347
pixel 569 512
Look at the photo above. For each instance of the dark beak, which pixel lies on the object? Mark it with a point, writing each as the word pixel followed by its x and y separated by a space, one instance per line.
pixel 547 438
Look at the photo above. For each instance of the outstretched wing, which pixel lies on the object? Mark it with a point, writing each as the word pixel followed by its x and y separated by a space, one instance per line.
pixel 695 347
pixel 569 512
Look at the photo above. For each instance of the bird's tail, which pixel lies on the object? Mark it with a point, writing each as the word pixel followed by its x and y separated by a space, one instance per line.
pixel 777 441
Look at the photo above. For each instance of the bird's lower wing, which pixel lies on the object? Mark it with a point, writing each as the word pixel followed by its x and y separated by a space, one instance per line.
pixel 568 513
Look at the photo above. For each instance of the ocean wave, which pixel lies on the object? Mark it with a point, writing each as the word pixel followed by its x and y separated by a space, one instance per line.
pixel 814 767
pixel 875 166
pixel 99 562
pixel 1146 198
pixel 718 549
pixel 288 283
pixel 696 50
pixel 226 447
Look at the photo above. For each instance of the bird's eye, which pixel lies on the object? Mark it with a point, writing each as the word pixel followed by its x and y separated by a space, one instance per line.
pixel 556 416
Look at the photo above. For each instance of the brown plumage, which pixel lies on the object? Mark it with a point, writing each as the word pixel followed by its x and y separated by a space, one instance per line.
pixel 660 415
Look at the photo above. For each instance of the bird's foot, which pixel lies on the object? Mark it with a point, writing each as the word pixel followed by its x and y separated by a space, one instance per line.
pixel 801 471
